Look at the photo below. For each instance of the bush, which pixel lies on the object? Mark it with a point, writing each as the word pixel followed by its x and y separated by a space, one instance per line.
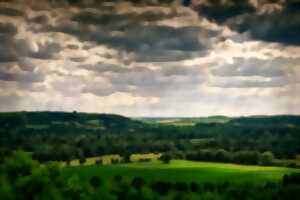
pixel 181 187
pixel 161 187
pixel 138 183
pixel 291 179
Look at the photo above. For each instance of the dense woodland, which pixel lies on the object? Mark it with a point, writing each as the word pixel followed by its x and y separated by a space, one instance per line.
pixel 60 136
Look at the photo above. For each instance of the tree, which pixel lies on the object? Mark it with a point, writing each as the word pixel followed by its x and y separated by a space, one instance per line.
pixel 138 183
pixel 267 158
pixel 126 158
pixel 162 187
pixel 181 187
pixel 82 160
pixel 68 162
pixel 165 158
pixel 194 187
pixel 95 181
pixel 99 162
pixel 118 178
pixel 20 164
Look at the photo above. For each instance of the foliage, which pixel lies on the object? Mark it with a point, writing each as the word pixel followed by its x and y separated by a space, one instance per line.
pixel 22 178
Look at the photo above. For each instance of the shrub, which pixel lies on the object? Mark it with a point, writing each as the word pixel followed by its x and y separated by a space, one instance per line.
pixel 138 183
pixel 161 187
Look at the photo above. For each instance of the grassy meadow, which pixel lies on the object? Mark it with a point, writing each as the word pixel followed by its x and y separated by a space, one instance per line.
pixel 180 170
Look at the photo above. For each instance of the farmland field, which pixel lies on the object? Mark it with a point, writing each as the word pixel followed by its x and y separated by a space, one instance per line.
pixel 107 159
pixel 179 170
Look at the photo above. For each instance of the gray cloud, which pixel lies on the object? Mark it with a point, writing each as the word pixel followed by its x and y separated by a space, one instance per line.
pixel 114 68
pixel 9 102
pixel 12 48
pixel 238 83
pixel 21 77
pixel 253 67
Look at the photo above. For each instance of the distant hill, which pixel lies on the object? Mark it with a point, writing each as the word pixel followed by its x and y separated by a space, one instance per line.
pixel 268 120
pixel 58 121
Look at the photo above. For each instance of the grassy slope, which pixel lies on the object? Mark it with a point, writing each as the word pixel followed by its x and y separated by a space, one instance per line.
pixel 186 171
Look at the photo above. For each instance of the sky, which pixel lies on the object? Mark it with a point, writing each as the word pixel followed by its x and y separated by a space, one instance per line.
pixel 154 58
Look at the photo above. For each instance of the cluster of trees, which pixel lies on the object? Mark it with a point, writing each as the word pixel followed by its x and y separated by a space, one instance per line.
pixel 241 157
pixel 23 178
pixel 57 136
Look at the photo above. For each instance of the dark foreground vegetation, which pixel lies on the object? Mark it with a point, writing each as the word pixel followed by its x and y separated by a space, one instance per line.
pixel 22 178
pixel 58 136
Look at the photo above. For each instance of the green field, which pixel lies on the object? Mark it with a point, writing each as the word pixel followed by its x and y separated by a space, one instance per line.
pixel 179 170
pixel 189 121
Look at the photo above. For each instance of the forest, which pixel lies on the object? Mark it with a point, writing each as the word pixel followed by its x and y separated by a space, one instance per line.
pixel 60 136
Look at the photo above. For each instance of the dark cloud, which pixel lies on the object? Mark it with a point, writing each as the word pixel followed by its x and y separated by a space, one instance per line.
pixel 7 33
pixel 11 12
pixel 73 46
pixel 147 42
pixel 7 54
pixel 121 22
pixel 40 19
pixel 7 29
pixel 46 50
pixel 113 68
pixel 220 11
pixel 161 55
pixel 136 2
pixel 23 78
pixel 12 48
pixel 126 32
pixel 274 26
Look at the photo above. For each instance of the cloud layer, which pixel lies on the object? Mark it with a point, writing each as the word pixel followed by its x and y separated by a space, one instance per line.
pixel 150 57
